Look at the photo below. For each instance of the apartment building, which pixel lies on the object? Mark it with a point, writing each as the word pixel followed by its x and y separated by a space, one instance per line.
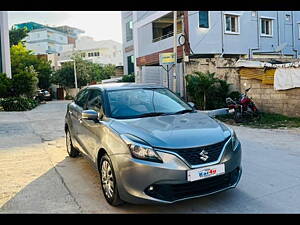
pixel 128 43
pixel 101 52
pixel 43 39
pixel 5 65
pixel 208 34
pixel 72 32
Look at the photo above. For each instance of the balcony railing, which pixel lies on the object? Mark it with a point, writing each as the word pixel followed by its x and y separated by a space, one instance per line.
pixel 165 36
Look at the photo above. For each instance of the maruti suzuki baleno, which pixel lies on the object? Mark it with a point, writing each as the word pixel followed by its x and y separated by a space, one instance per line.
pixel 149 145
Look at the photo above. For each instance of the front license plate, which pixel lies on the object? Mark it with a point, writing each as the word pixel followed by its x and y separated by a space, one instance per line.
pixel 205 172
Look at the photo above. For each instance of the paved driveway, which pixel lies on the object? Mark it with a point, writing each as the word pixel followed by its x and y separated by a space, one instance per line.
pixel 37 176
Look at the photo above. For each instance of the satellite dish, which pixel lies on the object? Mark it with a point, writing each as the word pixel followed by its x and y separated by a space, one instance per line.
pixel 280 47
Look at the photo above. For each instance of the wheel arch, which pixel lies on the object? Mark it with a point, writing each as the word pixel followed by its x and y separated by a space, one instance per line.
pixel 66 127
pixel 100 154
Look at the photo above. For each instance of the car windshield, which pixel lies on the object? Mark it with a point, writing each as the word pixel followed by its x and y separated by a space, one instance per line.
pixel 145 102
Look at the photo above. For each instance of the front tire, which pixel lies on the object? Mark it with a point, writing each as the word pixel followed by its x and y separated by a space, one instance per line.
pixel 73 153
pixel 237 117
pixel 108 182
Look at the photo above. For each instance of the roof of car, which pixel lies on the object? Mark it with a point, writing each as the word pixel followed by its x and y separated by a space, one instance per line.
pixel 119 86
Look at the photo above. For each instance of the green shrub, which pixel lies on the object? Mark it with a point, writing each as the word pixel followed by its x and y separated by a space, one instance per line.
pixel 207 91
pixel 25 83
pixel 17 104
pixel 69 97
pixel 5 85
pixel 235 95
pixel 217 95
pixel 23 59
pixel 128 78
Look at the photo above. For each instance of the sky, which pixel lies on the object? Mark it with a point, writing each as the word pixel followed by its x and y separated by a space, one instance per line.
pixel 101 25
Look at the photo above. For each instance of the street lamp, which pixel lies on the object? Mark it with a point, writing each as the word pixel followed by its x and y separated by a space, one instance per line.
pixel 75 73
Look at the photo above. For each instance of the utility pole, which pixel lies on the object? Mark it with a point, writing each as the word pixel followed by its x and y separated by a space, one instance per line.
pixel 175 49
pixel 183 58
pixel 75 76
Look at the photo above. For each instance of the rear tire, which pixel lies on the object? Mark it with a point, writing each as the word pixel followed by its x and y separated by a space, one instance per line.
pixel 73 152
pixel 108 182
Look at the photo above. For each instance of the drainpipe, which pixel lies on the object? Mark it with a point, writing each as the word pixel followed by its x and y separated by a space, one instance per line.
pixel 278 33
pixel 258 38
pixel 222 34
pixel 293 32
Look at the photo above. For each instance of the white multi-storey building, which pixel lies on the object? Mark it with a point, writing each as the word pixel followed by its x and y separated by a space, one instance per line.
pixel 208 34
pixel 43 39
pixel 213 36
pixel 46 40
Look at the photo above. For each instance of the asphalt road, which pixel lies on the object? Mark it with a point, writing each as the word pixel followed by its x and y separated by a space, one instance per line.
pixel 37 176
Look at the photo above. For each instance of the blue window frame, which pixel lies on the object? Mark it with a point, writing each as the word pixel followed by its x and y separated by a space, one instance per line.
pixel 203 19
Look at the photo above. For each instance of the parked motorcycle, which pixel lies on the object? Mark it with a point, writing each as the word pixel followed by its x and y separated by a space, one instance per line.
pixel 242 109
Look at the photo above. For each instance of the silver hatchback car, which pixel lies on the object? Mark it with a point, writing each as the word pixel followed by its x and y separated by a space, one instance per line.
pixel 149 145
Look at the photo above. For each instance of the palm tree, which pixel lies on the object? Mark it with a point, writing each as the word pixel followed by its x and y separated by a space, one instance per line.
pixel 198 86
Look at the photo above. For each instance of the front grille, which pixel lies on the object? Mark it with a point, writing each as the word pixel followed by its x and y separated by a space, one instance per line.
pixel 173 192
pixel 192 155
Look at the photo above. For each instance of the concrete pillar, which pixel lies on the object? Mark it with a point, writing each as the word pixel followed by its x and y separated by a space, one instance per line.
pixel 4 41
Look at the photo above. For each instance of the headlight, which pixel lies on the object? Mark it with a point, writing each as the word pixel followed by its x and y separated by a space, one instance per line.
pixel 234 141
pixel 140 150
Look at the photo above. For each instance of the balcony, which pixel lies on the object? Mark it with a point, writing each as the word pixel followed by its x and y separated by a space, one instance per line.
pixel 163 27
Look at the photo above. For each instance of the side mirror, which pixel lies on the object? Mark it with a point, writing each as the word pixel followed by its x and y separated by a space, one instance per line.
pixel 89 115
pixel 192 104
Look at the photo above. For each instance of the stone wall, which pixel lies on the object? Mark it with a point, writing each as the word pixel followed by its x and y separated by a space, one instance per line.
pixel 223 67
pixel 286 102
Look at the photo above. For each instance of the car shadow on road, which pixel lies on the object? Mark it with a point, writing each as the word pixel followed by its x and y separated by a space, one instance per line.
pixel 73 186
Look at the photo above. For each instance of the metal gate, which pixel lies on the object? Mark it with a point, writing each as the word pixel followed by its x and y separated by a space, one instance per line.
pixel 158 75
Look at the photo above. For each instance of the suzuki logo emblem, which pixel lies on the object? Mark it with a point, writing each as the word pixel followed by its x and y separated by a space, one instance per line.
pixel 203 155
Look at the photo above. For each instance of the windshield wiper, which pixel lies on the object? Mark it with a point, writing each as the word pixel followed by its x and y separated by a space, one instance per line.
pixel 141 115
pixel 155 114
pixel 151 114
pixel 184 111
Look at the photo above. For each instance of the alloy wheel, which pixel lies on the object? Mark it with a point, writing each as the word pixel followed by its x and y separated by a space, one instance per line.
pixel 68 142
pixel 107 179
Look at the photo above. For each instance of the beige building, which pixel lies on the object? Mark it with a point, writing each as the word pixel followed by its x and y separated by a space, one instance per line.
pixel 100 52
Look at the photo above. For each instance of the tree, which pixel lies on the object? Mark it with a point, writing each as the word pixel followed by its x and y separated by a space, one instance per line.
pixel 199 84
pixel 64 76
pixel 86 73
pixel 44 71
pixel 22 58
pixel 108 71
pixel 207 91
pixel 217 97
pixel 25 82
pixel 17 35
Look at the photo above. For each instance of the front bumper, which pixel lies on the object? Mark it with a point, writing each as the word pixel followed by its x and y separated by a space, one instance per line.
pixel 169 179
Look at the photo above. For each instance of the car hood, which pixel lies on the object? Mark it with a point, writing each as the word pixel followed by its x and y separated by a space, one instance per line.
pixel 174 131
